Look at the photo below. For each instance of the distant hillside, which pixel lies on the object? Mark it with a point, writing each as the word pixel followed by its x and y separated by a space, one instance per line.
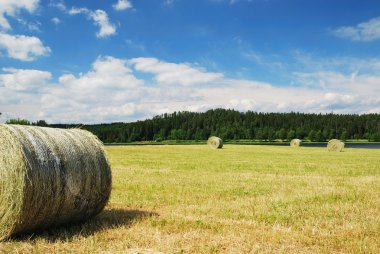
pixel 234 125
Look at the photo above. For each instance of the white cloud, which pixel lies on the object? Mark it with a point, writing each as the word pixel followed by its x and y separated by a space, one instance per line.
pixel 20 91
pixel 56 21
pixel 59 4
pixel 100 18
pixel 31 26
pixel 23 80
pixel 10 8
pixel 111 91
pixel 366 31
pixel 171 73
pixel 76 11
pixel 252 95
pixel 21 47
pixel 107 73
pixel 122 5
pixel 365 85
pixel 343 93
pixel 106 93
pixel 308 66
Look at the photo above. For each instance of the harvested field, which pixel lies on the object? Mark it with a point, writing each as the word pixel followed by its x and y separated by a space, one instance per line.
pixel 240 199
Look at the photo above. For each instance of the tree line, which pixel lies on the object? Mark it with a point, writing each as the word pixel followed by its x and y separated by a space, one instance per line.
pixel 234 125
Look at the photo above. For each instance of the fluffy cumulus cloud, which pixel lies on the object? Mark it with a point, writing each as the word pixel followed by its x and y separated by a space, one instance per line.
pixel 23 80
pixel 366 31
pixel 21 47
pixel 172 73
pixel 122 5
pixel 11 8
pixel 99 17
pixel 107 73
pixel 112 91
pixel 21 91
pixel 106 28
pixel 106 93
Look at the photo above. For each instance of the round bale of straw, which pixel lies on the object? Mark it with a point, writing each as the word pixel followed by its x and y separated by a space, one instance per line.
pixel 295 142
pixel 50 177
pixel 215 142
pixel 335 145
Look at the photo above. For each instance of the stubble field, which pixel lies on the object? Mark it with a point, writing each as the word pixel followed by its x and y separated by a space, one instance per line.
pixel 240 199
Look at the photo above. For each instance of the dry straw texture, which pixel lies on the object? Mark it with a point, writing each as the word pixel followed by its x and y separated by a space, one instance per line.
pixel 215 142
pixel 296 142
pixel 335 145
pixel 50 177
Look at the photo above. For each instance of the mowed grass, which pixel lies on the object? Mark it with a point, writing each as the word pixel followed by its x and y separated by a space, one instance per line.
pixel 240 199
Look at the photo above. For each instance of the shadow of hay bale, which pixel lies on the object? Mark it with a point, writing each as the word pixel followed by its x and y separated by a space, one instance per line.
pixel 108 219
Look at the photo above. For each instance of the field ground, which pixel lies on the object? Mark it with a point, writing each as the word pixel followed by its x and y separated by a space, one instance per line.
pixel 240 199
pixel 237 142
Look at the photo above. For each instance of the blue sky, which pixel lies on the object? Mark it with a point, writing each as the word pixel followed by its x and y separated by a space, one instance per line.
pixel 117 60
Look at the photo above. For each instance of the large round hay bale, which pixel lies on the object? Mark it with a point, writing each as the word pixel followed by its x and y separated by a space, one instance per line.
pixel 50 177
pixel 215 142
pixel 335 145
pixel 296 142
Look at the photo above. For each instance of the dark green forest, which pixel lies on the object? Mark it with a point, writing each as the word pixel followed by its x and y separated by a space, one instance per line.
pixel 235 125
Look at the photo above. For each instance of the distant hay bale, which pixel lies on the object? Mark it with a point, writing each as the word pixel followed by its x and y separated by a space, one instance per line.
pixel 50 177
pixel 215 142
pixel 335 145
pixel 296 142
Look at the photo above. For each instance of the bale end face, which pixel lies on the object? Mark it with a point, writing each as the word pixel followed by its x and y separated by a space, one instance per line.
pixel 215 142
pixel 295 142
pixel 335 145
